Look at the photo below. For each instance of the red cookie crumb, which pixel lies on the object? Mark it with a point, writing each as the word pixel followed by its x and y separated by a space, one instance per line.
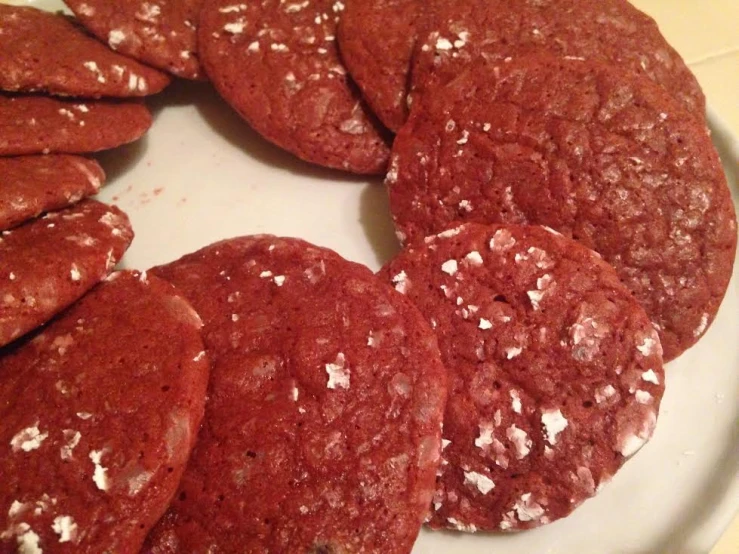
pixel 31 185
pixel 48 263
pixel 555 371
pixel 322 430
pixel 45 52
pixel 98 414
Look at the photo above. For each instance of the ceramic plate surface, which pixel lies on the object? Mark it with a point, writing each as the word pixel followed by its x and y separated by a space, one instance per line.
pixel 201 175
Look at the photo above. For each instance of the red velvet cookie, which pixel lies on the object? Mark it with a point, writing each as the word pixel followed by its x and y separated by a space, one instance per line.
pixel 376 39
pixel 42 51
pixel 31 185
pixel 161 33
pixel 98 414
pixel 41 125
pixel 602 156
pixel 277 64
pixel 322 430
pixel 476 32
pixel 48 263
pixel 555 371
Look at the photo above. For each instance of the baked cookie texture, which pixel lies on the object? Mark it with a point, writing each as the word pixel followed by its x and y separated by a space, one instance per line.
pixel 162 34
pixel 323 428
pixel 32 185
pixel 98 414
pixel 45 52
pixel 44 125
pixel 555 372
pixel 73 250
pixel 600 155
pixel 278 66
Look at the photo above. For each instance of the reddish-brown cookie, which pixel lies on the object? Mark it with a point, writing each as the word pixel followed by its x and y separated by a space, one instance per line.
pixel 376 39
pixel 31 185
pixel 322 430
pixel 162 33
pixel 375 36
pixel 469 31
pixel 98 414
pixel 602 156
pixel 555 371
pixel 41 125
pixel 277 64
pixel 42 51
pixel 48 263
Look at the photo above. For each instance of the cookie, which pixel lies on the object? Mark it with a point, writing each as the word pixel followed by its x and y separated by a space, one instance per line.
pixel 48 263
pixel 162 34
pixel 41 125
pixel 44 52
pixel 602 156
pixel 31 185
pixel 322 430
pixel 98 414
pixel 277 64
pixel 611 31
pixel 376 39
pixel 555 372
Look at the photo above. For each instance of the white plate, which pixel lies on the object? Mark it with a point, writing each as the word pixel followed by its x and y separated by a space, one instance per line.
pixel 202 175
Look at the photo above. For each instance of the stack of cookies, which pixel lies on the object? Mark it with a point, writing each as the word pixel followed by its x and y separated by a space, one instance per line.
pixel 567 230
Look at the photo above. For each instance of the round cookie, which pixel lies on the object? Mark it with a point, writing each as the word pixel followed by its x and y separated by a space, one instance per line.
pixel 555 372
pixel 48 263
pixel 277 64
pixel 376 39
pixel 322 430
pixel 31 185
pixel 162 34
pixel 98 414
pixel 44 52
pixel 41 125
pixel 467 32
pixel 604 157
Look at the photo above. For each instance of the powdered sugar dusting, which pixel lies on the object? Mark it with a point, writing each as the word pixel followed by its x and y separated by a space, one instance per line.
pixel 71 439
pixel 401 282
pixel 486 435
pixel 502 240
pixel 701 326
pixel 630 440
pixel 474 258
pixel 483 483
pixel 520 440
pixel 449 267
pixel 650 377
pixel 528 509
pixel 100 475
pixel 554 423
pixel 28 439
pixel 485 324
pixel 338 373
pixel 65 527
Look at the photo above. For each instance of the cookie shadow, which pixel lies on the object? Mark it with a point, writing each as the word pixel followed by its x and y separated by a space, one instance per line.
pixel 181 92
pixel 226 122
pixel 118 161
pixel 377 224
